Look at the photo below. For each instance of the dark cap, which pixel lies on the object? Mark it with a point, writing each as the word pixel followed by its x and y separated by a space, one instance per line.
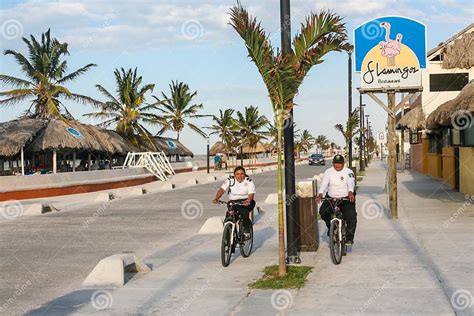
pixel 338 159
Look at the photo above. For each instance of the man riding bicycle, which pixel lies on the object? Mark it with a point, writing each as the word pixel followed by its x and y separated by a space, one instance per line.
pixel 338 182
pixel 240 188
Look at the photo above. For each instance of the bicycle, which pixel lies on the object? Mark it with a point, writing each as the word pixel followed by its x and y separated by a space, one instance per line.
pixel 337 231
pixel 233 234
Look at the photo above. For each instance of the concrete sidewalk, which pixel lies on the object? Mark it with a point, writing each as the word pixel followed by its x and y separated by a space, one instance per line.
pixel 420 264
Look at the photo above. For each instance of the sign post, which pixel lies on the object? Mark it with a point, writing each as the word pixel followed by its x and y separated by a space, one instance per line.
pixel 390 52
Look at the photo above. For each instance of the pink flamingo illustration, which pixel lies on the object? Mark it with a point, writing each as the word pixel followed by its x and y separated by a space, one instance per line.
pixel 390 48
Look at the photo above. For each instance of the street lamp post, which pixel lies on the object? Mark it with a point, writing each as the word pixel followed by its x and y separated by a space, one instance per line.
pixel 207 153
pixel 361 135
pixel 242 131
pixel 366 148
pixel 289 148
pixel 349 88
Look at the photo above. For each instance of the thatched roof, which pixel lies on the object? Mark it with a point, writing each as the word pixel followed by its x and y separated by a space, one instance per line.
pixel 259 148
pixel 171 146
pixel 55 136
pixel 59 135
pixel 219 147
pixel 457 50
pixel 269 147
pixel 414 120
pixel 15 134
pixel 446 112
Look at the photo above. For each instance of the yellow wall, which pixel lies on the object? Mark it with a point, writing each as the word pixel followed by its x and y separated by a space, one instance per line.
pixel 466 170
pixel 448 165
pixel 434 165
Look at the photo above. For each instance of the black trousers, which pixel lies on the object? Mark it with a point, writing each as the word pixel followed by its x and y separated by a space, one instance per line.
pixel 349 214
pixel 245 213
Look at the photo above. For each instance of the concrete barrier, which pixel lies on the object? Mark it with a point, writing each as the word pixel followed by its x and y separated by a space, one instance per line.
pixel 110 271
pixel 272 198
pixel 33 209
pixel 213 225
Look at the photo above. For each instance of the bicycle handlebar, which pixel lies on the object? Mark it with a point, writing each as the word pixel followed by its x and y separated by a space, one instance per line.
pixel 230 202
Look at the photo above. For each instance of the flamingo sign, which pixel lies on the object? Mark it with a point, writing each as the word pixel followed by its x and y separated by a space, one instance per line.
pixel 390 52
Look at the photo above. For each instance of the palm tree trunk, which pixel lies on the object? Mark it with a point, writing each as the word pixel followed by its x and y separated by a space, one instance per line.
pixel 281 227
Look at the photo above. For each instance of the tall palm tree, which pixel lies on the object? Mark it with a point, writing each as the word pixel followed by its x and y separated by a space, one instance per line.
pixel 322 142
pixel 177 110
pixel 225 126
pixel 307 141
pixel 351 128
pixel 45 70
pixel 283 74
pixel 127 110
pixel 251 124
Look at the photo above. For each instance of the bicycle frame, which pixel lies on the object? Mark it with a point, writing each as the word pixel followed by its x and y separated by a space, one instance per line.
pixel 233 222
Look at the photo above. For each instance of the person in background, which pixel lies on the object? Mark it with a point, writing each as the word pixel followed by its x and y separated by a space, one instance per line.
pixel 217 162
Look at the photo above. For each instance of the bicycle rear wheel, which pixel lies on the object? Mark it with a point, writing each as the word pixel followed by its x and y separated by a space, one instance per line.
pixel 226 251
pixel 246 245
pixel 335 244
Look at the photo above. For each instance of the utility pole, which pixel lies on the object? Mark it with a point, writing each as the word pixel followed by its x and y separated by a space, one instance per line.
pixel 289 148
pixel 361 134
pixel 365 140
pixel 349 107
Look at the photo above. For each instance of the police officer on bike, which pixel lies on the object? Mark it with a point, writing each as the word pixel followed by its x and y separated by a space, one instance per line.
pixel 339 182
pixel 239 188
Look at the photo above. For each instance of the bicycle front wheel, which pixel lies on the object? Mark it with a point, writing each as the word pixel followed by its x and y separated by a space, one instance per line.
pixel 335 244
pixel 226 251
pixel 246 245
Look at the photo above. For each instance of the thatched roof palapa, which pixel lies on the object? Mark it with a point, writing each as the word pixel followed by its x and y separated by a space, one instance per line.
pixel 219 147
pixel 446 112
pixel 413 120
pixel 15 134
pixel 171 146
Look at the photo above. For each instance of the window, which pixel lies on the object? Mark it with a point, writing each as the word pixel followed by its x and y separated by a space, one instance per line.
pixel 448 82
pixel 455 137
pixel 446 138
pixel 467 136
pixel 435 145
pixel 415 137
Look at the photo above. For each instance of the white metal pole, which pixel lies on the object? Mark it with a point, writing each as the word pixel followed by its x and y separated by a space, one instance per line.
pixel 54 161
pixel 73 161
pixel 22 162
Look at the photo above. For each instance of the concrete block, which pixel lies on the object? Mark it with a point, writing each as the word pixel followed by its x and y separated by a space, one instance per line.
pixel 33 209
pixel 213 225
pixel 110 271
pixel 192 182
pixel 103 197
pixel 272 198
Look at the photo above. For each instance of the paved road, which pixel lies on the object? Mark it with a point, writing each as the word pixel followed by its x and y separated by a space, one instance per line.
pixel 49 256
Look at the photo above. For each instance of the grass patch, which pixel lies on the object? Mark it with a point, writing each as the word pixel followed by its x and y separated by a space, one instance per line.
pixel 294 279
pixel 361 173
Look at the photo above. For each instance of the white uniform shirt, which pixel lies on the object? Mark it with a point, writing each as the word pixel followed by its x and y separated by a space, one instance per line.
pixel 337 183
pixel 238 190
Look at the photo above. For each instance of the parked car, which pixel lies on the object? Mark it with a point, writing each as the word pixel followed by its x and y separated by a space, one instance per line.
pixel 317 159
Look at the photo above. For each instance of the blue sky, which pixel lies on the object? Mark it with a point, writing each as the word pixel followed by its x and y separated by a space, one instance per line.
pixel 191 41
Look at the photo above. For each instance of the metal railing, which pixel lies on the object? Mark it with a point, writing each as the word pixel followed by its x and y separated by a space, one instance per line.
pixel 155 162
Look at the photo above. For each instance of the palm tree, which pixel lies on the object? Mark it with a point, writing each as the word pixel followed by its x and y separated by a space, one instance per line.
pixel 306 141
pixel 127 111
pixel 351 128
pixel 178 109
pixel 283 74
pixel 225 126
pixel 45 70
pixel 322 142
pixel 251 124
